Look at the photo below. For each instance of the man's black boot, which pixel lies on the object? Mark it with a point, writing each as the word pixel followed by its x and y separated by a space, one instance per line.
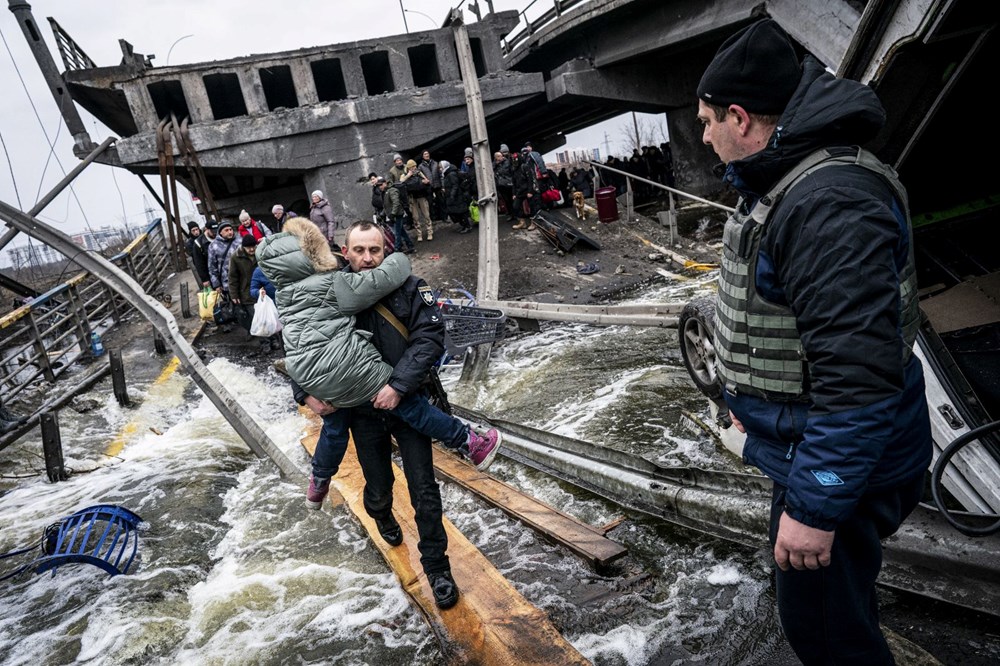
pixel 444 589
pixel 390 530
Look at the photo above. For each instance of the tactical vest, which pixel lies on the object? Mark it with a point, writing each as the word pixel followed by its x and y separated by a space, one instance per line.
pixel 757 342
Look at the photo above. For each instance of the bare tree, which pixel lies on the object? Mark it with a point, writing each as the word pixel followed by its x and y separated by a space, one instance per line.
pixel 642 132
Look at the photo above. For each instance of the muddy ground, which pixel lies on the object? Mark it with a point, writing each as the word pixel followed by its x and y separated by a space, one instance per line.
pixel 532 269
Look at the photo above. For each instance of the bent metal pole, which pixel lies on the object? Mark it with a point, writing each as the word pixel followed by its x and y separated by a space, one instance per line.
pixel 164 322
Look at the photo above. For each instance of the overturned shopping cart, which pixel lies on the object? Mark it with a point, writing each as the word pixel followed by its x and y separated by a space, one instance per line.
pixel 468 325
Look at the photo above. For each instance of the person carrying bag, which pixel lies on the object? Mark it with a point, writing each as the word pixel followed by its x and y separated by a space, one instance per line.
pixel 265 317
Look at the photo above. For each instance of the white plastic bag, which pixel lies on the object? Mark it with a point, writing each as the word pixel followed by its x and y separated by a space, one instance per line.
pixel 265 317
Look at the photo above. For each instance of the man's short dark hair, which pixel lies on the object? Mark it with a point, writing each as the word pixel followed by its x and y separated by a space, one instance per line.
pixel 362 225
pixel 373 175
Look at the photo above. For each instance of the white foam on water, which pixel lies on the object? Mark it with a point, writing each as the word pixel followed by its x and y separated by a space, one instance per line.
pixel 628 643
pixel 572 415
pixel 232 564
pixel 681 622
pixel 724 574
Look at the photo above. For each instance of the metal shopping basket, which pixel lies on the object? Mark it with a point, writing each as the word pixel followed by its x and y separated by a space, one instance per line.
pixel 467 325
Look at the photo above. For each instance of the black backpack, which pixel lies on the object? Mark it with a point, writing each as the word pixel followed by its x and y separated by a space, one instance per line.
pixel 404 195
pixel 467 189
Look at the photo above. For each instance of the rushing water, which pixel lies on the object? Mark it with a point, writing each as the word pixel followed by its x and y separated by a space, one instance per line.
pixel 234 569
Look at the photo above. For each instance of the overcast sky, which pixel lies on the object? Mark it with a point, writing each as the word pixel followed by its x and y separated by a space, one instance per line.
pixel 188 31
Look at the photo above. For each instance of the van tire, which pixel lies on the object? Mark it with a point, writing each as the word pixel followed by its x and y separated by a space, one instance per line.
pixel 695 331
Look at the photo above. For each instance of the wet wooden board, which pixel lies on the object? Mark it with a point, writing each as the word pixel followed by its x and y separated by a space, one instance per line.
pixel 492 622
pixel 586 541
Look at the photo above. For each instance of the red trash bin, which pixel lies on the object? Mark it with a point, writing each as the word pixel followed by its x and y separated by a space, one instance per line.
pixel 607 204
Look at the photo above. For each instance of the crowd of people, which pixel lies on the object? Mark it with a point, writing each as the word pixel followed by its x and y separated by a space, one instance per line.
pixel 413 196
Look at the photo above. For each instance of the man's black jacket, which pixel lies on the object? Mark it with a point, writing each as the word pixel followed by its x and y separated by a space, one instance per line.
pixel 198 250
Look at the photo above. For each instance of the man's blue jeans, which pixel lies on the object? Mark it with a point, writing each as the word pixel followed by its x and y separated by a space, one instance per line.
pixel 412 409
pixel 402 238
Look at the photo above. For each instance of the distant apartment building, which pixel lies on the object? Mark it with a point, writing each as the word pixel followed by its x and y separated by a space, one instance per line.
pixel 577 156
pixel 38 254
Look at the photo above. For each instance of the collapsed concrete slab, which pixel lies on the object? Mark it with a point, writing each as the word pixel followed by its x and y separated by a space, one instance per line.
pixel 271 128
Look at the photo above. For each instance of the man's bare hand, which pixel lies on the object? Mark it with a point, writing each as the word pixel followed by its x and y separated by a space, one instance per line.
pixel 319 407
pixel 736 422
pixel 386 398
pixel 801 547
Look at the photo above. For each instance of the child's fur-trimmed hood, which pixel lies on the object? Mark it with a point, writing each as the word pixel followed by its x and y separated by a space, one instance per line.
pixel 299 251
pixel 313 243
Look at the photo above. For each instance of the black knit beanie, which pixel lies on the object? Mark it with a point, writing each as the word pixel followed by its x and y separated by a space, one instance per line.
pixel 756 68
pixel 249 241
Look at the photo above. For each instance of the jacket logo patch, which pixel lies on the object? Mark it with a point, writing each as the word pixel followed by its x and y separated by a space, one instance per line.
pixel 827 478
pixel 426 294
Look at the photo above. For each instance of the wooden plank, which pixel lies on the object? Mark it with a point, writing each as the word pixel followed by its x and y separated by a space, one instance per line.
pixel 492 623
pixel 586 541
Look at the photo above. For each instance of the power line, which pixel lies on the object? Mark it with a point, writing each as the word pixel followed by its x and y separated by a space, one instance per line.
pixel 52 148
pixel 48 160
pixel 10 166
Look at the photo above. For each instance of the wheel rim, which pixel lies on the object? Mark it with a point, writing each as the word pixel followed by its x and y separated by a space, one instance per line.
pixel 700 351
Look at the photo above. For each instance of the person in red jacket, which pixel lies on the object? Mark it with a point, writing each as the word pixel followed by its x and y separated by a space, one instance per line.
pixel 250 226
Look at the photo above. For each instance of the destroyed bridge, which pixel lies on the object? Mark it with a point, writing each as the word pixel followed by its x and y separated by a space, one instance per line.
pixel 270 128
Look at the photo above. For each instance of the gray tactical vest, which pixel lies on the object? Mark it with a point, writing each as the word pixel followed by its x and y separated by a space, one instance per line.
pixel 757 341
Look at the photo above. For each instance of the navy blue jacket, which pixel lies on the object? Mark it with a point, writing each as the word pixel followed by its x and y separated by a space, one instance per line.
pixel 259 281
pixel 832 252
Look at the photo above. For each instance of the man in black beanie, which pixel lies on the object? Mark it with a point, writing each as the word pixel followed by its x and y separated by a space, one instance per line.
pixel 241 266
pixel 197 247
pixel 815 325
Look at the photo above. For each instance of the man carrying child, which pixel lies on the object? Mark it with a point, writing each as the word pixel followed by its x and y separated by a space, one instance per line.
pixel 407 332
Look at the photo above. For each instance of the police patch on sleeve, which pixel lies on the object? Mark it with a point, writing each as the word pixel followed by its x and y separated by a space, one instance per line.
pixel 826 478
pixel 427 294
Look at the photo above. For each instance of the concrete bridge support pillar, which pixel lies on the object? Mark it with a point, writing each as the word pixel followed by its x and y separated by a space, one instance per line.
pixel 693 160
pixel 447 58
pixel 339 184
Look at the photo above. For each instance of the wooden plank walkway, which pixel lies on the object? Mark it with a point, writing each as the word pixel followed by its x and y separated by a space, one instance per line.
pixel 585 540
pixel 492 622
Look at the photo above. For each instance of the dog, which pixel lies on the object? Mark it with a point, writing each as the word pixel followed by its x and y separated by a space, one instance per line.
pixel 581 205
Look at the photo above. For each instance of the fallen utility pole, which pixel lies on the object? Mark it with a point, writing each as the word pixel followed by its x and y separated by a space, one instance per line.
pixel 663 315
pixel 162 321
pixel 488 283
pixel 60 186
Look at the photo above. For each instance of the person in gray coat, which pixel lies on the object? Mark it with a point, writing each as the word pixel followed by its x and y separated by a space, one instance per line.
pixel 219 253
pixel 321 214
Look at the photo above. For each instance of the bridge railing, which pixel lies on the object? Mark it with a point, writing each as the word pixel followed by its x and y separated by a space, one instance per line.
pixel 42 339
pixel 547 11
pixel 670 217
